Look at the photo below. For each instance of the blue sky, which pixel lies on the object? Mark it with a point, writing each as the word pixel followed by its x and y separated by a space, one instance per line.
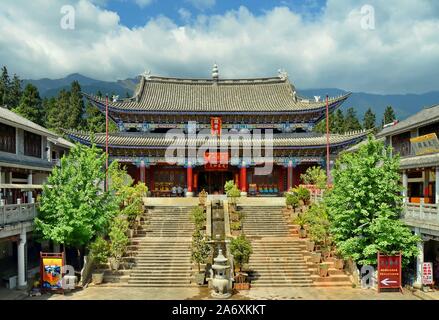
pixel 135 15
pixel 372 46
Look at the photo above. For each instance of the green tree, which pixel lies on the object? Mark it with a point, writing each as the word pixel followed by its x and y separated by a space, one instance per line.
pixel 73 208
pixel 200 248
pixel 314 175
pixel 351 120
pixel 30 105
pixel 15 92
pixel 5 83
pixel 57 111
pixel 369 119
pixel 365 204
pixel 95 120
pixel 339 122
pixel 389 115
pixel 241 249
pixel 74 118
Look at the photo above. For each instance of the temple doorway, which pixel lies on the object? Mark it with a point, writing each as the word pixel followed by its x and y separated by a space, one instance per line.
pixel 213 181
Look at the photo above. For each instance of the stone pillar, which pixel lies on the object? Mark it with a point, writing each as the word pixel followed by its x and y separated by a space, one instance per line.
pixel 142 171
pixel 29 193
pixel 189 180
pixel 22 284
pixel 243 179
pixel 290 175
pixel 419 261
pixel 405 186
pixel 437 185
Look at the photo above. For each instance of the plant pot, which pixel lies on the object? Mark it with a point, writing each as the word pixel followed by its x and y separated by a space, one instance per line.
pixel 339 264
pixel 97 278
pixel 316 257
pixel 302 233
pixel 199 278
pixel 310 245
pixel 130 233
pixel 301 203
pixel 241 286
pixel 114 264
pixel 323 269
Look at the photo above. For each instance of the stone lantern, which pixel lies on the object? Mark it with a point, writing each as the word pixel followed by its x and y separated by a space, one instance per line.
pixel 221 284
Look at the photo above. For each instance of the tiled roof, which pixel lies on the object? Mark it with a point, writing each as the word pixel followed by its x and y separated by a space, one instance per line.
pixel 139 140
pixel 11 118
pixel 424 117
pixel 160 94
pixel 428 160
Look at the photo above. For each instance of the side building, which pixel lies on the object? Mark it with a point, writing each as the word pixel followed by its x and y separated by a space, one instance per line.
pixel 416 141
pixel 28 152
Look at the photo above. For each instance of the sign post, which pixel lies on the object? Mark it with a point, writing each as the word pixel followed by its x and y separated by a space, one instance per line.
pixel 51 268
pixel 389 272
pixel 427 273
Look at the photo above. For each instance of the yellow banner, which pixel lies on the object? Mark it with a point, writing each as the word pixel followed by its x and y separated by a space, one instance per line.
pixel 425 144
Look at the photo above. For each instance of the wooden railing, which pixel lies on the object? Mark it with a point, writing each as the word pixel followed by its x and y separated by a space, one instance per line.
pixel 422 212
pixel 16 213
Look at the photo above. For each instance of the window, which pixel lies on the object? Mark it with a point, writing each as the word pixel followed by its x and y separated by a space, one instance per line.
pixel 7 138
pixel 32 144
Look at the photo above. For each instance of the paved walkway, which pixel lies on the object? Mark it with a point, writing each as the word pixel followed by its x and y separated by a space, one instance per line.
pixel 194 293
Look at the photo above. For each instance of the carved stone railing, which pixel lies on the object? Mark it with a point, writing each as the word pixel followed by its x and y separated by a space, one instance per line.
pixel 17 213
pixel 421 212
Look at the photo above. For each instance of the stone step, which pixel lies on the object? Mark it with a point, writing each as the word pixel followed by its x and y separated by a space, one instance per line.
pixel 333 278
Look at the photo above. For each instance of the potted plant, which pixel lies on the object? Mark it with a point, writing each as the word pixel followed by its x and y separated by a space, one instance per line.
pixel 301 221
pixel 316 257
pixel 291 200
pixel 323 269
pixel 310 244
pixel 200 253
pixel 241 249
pixel 198 217
pixel 232 192
pixel 99 252
pixel 118 241
pixel 339 261
pixel 235 227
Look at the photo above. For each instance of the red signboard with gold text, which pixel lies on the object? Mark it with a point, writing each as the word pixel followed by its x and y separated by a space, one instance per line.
pixel 216 161
pixel 389 272
pixel 215 126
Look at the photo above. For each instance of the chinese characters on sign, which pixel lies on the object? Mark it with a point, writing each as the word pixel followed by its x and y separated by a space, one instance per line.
pixel 389 272
pixel 427 273
pixel 216 161
pixel 215 123
pixel 425 144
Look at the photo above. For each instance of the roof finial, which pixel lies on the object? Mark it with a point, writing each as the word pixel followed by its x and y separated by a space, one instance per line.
pixel 146 74
pixel 215 73
pixel 283 74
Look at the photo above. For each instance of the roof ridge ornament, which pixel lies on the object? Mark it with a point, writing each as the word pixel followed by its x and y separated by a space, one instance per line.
pixel 215 72
pixel 146 74
pixel 282 74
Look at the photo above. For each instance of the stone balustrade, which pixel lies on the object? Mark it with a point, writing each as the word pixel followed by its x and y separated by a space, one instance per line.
pixel 421 213
pixel 17 213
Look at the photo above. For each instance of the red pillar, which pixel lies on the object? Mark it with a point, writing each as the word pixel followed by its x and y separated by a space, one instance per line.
pixel 151 178
pixel 189 178
pixel 243 178
pixel 142 172
pixel 290 175
pixel 280 183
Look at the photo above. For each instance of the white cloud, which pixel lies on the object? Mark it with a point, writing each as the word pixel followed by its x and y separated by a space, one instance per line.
pixel 144 3
pixel 400 55
pixel 184 14
pixel 202 4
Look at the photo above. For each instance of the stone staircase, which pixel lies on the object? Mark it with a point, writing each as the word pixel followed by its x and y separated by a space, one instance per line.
pixel 160 253
pixel 280 258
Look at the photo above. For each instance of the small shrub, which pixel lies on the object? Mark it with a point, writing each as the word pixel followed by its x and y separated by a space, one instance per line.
pixel 292 200
pixel 118 238
pixel 303 194
pixel 99 250
pixel 241 249
pixel 200 249
pixel 198 217
pixel 235 226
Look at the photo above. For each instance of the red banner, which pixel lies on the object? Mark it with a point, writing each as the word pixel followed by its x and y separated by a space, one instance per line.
pixel 389 272
pixel 216 161
pixel 215 126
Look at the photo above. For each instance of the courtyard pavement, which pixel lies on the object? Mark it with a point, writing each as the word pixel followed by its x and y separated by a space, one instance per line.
pixel 194 293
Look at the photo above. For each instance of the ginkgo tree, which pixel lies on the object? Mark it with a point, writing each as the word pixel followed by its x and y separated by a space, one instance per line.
pixel 73 207
pixel 365 204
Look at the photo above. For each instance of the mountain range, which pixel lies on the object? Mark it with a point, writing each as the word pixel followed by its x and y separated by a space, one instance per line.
pixel 403 104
